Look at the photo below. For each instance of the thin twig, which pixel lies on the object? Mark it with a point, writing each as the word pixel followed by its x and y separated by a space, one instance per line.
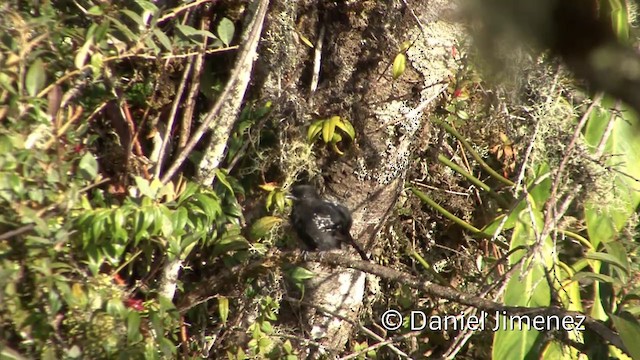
pixel 317 59
pixel 175 11
pixel 172 116
pixel 247 51
pixel 194 90
pixel 368 332
pixel 68 75
pixel 607 131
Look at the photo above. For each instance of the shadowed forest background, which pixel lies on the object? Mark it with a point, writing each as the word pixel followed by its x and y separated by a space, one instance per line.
pixel 489 151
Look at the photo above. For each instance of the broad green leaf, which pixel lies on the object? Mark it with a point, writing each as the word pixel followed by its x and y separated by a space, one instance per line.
pixel 616 10
pixel 608 258
pixel 187 192
pixel 143 186
pixel 179 218
pixel 269 200
pixel 147 6
pixel 209 205
pixel 226 30
pixel 136 18
pixel 36 77
pixel 629 330
pixel 192 32
pixel 606 217
pixel 88 166
pixel 617 250
pixel 592 276
pixel 230 242
pixel 222 177
pixel 163 39
pixel 529 289
pixel 609 211
pixel 124 29
pixel 300 274
pixel 95 10
pixel 462 115
pixel 133 327
pixel 263 226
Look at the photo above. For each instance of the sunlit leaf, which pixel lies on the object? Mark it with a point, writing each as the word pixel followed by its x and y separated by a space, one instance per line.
pixel 314 131
pixel 36 77
pixel 223 308
pixel 629 330
pixel 88 166
pixel 399 65
pixel 226 30
pixel 263 226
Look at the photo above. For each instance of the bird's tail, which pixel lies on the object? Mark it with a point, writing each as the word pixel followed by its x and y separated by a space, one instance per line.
pixel 353 243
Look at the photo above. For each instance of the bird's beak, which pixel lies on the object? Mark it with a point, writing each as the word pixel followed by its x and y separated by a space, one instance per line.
pixel 290 197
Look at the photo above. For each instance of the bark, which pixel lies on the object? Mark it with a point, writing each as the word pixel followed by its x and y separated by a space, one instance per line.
pixel 355 82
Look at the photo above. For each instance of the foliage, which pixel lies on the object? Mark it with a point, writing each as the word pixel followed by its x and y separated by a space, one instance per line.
pixel 79 257
pixel 326 129
pixel 88 234
pixel 546 270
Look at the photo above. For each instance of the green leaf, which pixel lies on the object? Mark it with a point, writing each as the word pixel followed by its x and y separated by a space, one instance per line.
pixel 230 242
pixel 606 217
pixel 300 274
pixel 124 29
pixel 209 205
pixel 133 327
pixel 269 200
pixel 135 17
pixel 222 177
pixel 596 277
pixel 314 131
pixel 348 129
pixel 525 289
pixel 223 308
pixel 143 186
pixel 95 10
pixel 147 6
pixel 399 65
pixel 179 218
pixel 263 226
pixel 280 200
pixel 36 77
pixel 328 128
pixel 81 57
pixel 88 166
pixel 608 258
pixel 191 32
pixel 462 115
pixel 629 331
pixel 225 31
pixel 163 38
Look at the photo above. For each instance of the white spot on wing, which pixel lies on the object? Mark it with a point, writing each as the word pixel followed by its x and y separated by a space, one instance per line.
pixel 323 222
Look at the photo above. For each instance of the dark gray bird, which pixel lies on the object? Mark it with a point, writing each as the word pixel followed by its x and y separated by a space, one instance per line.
pixel 322 225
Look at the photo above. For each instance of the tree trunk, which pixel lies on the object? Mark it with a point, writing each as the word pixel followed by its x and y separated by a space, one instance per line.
pixel 355 82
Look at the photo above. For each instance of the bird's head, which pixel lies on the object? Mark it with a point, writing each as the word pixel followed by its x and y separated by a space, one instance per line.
pixel 303 192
